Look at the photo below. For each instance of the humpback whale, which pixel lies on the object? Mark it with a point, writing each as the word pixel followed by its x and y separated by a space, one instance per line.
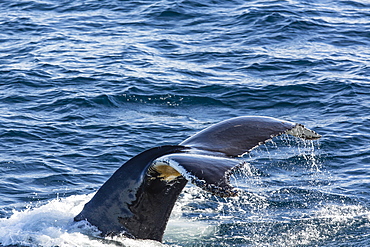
pixel 137 200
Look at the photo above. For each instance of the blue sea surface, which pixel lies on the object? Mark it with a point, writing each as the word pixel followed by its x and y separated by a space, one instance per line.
pixel 86 84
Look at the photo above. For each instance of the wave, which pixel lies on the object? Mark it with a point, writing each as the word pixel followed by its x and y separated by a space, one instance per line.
pixel 85 85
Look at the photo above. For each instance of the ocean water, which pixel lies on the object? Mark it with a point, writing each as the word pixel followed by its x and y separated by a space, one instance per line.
pixel 86 84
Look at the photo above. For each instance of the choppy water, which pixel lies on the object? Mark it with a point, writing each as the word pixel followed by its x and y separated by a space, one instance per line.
pixel 86 85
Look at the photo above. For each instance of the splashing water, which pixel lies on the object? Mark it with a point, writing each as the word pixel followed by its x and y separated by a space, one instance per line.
pixel 270 210
pixel 52 225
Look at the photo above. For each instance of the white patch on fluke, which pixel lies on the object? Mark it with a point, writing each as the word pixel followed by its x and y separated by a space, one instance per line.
pixel 302 132
pixel 175 165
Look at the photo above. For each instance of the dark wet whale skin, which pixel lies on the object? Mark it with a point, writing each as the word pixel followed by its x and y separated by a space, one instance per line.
pixel 137 201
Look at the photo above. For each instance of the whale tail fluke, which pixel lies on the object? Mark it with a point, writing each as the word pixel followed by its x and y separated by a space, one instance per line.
pixel 236 136
pixel 210 173
pixel 138 199
pixel 133 201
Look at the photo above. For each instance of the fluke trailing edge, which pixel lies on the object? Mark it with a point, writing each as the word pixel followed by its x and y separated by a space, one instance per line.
pixel 138 198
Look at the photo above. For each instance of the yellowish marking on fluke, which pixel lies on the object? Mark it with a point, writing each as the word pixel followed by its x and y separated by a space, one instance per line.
pixel 166 172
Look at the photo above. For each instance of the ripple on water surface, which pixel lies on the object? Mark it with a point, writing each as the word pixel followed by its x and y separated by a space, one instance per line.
pixel 86 85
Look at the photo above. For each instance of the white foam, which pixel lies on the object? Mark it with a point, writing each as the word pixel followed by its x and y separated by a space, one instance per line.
pixel 52 225
pixel 342 213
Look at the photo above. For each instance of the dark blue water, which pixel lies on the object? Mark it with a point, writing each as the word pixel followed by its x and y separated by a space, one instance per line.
pixel 86 85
